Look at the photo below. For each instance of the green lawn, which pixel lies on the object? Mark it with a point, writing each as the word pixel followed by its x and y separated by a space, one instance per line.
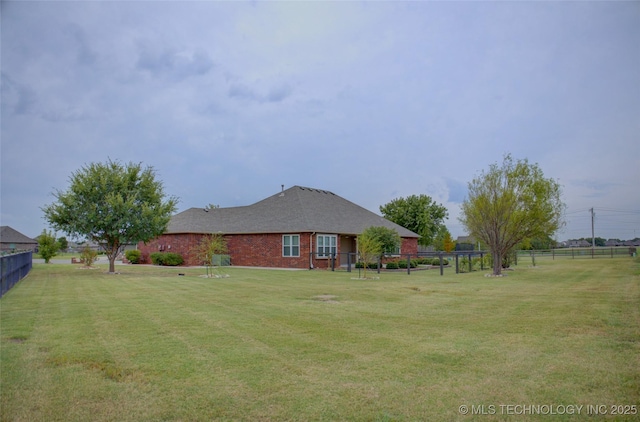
pixel 150 345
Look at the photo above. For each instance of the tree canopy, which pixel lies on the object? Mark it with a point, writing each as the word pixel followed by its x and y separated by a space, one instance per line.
pixel 388 239
pixel 418 213
pixel 112 204
pixel 511 203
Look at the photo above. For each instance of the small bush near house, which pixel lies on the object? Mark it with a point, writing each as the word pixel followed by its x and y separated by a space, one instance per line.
pixel 133 256
pixel 173 259
pixel 436 261
pixel 370 265
pixel 169 259
pixel 157 258
pixel 392 266
pixel 403 263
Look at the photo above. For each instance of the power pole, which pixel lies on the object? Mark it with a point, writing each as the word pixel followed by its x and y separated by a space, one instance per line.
pixel 593 236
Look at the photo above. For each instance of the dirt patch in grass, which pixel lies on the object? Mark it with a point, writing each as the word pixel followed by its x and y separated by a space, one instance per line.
pixel 107 369
pixel 326 298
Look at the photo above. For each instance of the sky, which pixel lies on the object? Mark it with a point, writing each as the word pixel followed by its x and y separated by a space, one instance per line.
pixel 373 101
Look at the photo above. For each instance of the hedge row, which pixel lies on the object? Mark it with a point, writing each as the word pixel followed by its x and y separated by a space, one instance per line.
pixel 166 258
pixel 402 263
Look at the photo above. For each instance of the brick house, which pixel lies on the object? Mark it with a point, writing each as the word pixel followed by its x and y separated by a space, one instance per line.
pixel 11 239
pixel 297 228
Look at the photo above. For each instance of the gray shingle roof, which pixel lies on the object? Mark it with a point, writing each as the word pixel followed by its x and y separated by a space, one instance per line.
pixel 297 209
pixel 10 235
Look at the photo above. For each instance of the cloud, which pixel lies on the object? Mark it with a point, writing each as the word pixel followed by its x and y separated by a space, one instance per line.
pixel 590 188
pixel 457 190
pixel 18 98
pixel 274 94
pixel 84 54
pixel 164 61
pixel 371 100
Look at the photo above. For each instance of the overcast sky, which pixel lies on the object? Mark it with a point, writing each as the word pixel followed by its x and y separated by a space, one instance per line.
pixel 370 100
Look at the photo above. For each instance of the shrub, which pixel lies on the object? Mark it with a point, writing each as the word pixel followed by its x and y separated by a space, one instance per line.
pixel 403 263
pixel 169 258
pixel 157 258
pixel 133 256
pixel 370 265
pixel 173 259
pixel 392 265
pixel 88 256
pixel 47 246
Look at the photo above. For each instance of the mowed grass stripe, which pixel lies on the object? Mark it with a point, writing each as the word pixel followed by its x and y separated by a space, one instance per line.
pixel 148 344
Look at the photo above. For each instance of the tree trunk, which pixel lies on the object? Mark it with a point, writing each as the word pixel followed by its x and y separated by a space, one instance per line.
pixel 497 263
pixel 112 264
pixel 112 253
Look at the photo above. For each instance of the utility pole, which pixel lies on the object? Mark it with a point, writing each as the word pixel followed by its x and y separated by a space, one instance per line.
pixel 593 236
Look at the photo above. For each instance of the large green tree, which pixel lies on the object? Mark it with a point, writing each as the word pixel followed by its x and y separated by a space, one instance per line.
pixel 510 203
pixel 418 213
pixel 112 204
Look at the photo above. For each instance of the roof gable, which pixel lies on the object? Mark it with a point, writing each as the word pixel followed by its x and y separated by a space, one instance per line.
pixel 297 209
pixel 9 235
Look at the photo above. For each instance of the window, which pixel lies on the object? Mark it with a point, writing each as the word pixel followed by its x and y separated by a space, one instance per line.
pixel 326 245
pixel 291 245
pixel 394 252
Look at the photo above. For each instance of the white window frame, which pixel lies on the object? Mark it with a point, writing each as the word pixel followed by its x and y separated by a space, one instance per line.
pixel 292 245
pixel 332 248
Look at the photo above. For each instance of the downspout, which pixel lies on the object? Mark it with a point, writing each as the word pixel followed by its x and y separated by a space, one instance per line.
pixel 311 250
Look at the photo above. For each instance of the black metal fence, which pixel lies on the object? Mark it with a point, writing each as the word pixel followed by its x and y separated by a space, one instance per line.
pixel 13 268
pixel 467 261
pixel 577 253
pixel 349 261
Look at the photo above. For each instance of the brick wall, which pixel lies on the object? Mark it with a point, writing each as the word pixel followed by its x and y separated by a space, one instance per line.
pixel 178 243
pixel 251 250
pixel 409 246
pixel 265 250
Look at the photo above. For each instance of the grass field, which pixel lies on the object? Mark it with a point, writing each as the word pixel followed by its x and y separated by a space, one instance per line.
pixel 150 345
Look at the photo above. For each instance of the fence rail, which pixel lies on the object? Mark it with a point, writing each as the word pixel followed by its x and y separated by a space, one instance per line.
pixel 467 261
pixel 575 253
pixel 14 268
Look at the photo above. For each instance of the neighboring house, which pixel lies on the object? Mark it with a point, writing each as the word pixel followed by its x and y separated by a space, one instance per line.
pixel 575 243
pixel 466 243
pixel 297 228
pixel 614 242
pixel 11 239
